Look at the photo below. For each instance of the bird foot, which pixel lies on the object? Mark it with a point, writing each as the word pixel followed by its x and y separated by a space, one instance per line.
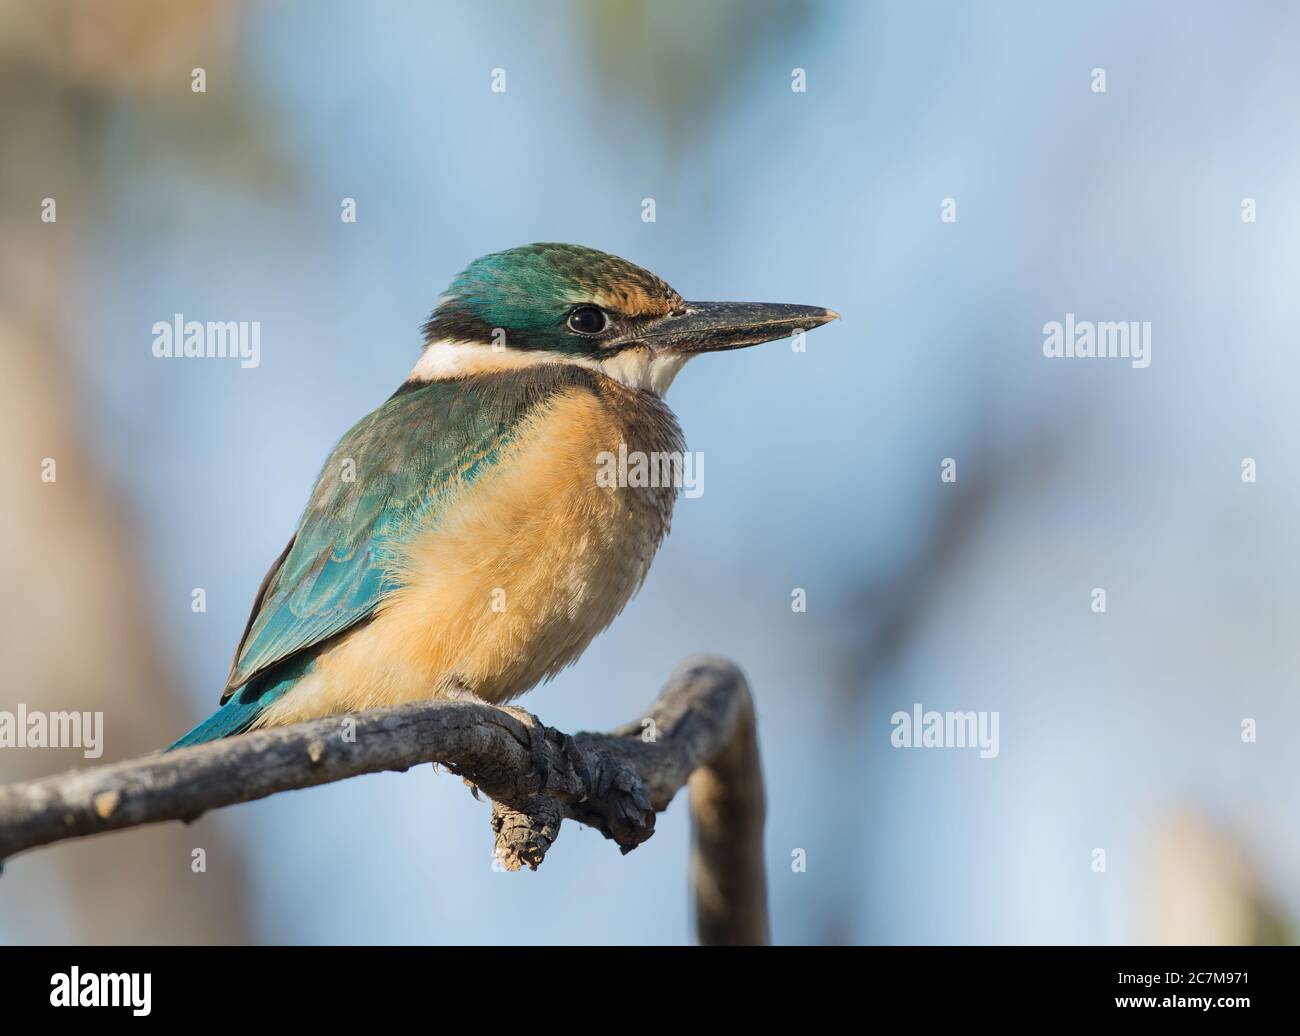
pixel 574 756
pixel 537 752
pixel 620 807
pixel 538 736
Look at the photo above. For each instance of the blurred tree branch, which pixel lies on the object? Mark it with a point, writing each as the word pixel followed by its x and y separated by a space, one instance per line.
pixel 699 731
pixel 890 607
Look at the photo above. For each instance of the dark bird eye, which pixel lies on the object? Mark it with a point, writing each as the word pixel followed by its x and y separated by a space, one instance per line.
pixel 587 320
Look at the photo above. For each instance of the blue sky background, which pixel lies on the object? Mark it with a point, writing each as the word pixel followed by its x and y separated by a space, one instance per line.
pixel 822 468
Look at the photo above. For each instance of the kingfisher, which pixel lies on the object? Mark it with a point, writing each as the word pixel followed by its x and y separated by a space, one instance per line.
pixel 458 542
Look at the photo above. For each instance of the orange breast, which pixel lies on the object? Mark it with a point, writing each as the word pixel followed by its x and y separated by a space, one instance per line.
pixel 511 579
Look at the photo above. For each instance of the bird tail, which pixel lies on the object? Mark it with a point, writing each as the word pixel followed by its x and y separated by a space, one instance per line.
pixel 246 705
pixel 234 717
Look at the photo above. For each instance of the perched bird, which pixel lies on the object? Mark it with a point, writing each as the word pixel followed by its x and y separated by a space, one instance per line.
pixel 458 541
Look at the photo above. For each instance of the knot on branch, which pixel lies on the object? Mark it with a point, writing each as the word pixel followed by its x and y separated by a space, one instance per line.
pixel 524 835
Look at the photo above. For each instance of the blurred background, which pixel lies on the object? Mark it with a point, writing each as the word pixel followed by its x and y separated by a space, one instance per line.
pixel 1119 732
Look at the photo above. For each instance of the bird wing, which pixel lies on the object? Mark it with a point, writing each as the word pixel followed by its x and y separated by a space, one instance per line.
pixel 386 474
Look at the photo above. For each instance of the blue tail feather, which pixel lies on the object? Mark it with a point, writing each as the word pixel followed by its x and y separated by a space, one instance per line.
pixel 242 710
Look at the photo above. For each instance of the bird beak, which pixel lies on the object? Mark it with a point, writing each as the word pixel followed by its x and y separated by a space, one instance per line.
pixel 707 327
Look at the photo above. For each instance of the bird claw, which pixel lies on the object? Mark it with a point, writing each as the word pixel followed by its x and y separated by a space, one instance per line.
pixel 537 753
pixel 538 736
pixel 577 761
pixel 621 807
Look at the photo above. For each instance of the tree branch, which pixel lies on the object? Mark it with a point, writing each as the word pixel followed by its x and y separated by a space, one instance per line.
pixel 700 729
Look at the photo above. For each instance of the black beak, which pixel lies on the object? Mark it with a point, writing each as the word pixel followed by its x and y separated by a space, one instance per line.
pixel 707 327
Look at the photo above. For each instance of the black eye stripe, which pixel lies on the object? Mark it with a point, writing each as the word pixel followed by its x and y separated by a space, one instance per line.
pixel 587 320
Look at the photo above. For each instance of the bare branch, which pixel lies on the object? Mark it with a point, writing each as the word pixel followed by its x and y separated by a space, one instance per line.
pixel 700 729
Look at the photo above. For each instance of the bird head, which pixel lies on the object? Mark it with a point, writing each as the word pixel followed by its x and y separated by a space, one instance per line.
pixel 565 303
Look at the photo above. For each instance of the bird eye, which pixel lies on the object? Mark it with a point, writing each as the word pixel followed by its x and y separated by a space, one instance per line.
pixel 587 320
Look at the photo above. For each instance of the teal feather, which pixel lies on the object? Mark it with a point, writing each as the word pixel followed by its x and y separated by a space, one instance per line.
pixel 406 458
pixel 531 290
pixel 385 474
pixel 242 709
